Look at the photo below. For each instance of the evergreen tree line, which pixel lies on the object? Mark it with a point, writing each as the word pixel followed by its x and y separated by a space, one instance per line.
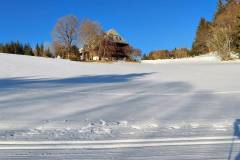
pixel 222 34
pixel 25 49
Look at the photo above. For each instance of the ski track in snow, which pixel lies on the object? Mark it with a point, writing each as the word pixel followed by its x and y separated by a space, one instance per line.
pixel 111 144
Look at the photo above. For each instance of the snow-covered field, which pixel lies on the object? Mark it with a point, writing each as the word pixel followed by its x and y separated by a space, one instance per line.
pixel 163 109
pixel 207 58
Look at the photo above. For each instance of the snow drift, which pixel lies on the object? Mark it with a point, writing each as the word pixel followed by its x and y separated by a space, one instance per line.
pixel 208 58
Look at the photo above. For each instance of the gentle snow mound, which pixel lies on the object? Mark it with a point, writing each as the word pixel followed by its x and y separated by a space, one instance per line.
pixel 208 58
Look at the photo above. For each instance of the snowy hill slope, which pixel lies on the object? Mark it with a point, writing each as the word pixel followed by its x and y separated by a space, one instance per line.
pixel 207 58
pixel 49 99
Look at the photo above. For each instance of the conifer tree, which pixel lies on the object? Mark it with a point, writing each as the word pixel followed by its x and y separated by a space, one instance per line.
pixel 42 50
pixel 1 48
pixel 220 5
pixel 236 35
pixel 220 8
pixel 28 50
pixel 200 43
pixel 48 53
pixel 19 48
pixel 37 50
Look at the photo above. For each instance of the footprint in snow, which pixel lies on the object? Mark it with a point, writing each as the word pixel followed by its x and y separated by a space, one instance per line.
pixel 194 125
pixel 174 127
pixel 219 127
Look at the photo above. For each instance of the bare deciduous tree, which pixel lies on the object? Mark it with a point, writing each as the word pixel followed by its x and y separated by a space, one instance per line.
pixel 89 30
pixel 59 50
pixel 220 41
pixel 90 35
pixel 65 34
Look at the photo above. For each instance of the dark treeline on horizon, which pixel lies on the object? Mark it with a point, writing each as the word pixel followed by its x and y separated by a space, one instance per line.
pixel 25 49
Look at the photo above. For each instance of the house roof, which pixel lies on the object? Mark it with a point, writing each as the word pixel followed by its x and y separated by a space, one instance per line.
pixel 112 32
pixel 115 36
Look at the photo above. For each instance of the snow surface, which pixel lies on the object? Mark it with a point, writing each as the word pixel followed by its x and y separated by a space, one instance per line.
pixel 58 100
pixel 207 58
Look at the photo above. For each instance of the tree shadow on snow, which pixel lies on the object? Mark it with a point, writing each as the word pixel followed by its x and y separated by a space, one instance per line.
pixel 15 94
pixel 141 99
pixel 29 82
pixel 139 105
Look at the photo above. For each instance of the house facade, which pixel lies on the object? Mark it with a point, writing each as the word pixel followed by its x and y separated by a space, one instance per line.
pixel 111 47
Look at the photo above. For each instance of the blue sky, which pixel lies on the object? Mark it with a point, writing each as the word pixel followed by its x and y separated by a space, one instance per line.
pixel 146 24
